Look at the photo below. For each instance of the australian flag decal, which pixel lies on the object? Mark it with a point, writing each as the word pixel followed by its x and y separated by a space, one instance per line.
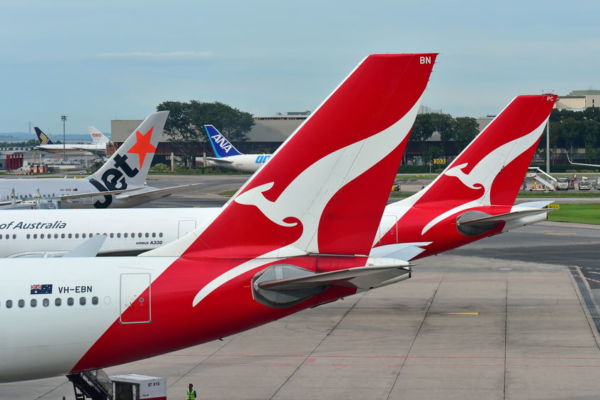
pixel 41 289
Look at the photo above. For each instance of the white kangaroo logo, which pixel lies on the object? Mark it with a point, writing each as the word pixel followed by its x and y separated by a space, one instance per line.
pixel 306 197
pixel 485 172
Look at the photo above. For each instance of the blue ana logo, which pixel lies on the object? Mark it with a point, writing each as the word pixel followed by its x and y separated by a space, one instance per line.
pixel 222 142
pixel 262 159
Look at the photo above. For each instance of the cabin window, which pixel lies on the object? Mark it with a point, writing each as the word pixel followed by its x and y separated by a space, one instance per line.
pixel 70 301
pixel 118 235
pixel 147 234
pixel 28 236
pixel 69 235
pixel 33 303
pixel 125 235
pixel 41 235
pixel 0 236
pixel 45 302
pixel 82 301
pixel 8 303
pixel 77 236
pixel 57 302
pixel 21 303
pixel 35 235
pixel 83 235
pixel 140 234
pixel 153 234
pixel 95 300
pixel 112 235
pixel 62 235
pixel 160 234
pixel 14 235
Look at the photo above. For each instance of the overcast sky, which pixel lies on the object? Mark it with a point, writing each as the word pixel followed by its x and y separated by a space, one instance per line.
pixel 100 60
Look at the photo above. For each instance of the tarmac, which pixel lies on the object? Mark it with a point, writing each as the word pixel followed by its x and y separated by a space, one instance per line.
pixel 510 317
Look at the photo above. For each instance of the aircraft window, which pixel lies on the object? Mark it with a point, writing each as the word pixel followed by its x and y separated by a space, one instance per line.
pixel 56 236
pixel 95 300
pixel 0 236
pixel 35 235
pixel 147 234
pixel 118 235
pixel 28 235
pixel 112 235
pixel 140 234
pixel 133 235
pixel 83 235
pixel 69 236
pixel 57 302
pixel 49 236
pixel 14 235
pixel 153 234
pixel 33 303
pixel 45 302
pixel 160 234
pixel 8 303
pixel 21 303
pixel 125 234
pixel 82 301
pixel 91 234
pixel 62 235
pixel 70 301
pixel 77 236
pixel 41 236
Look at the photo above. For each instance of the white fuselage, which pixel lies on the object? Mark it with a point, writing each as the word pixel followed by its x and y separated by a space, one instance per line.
pixel 99 148
pixel 43 233
pixel 242 162
pixel 90 296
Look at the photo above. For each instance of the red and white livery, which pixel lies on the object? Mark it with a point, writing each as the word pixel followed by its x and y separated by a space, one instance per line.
pixel 296 235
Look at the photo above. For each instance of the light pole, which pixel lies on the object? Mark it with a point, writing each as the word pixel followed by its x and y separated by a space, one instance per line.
pixel 63 118
pixel 548 147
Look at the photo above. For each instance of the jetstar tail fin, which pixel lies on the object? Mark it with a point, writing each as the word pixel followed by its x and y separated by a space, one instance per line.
pixel 128 167
pixel 42 137
pixel 219 143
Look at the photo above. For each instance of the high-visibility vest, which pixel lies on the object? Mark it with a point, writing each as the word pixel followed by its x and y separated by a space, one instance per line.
pixel 191 394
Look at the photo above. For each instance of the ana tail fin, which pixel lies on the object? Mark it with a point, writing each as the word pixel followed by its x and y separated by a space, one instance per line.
pixel 97 136
pixel 42 137
pixel 129 165
pixel 304 200
pixel 219 143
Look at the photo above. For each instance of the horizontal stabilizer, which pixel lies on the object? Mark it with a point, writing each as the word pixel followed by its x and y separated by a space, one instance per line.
pixel 68 197
pixel 219 161
pixel 402 251
pixel 492 219
pixel 363 278
pixel 89 248
pixel 150 193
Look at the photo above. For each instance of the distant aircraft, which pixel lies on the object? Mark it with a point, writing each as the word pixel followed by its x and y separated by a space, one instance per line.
pixel 291 239
pixel 98 145
pixel 120 182
pixel 440 217
pixel 582 164
pixel 227 156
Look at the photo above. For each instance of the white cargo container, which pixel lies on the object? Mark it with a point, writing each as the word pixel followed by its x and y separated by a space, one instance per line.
pixel 139 387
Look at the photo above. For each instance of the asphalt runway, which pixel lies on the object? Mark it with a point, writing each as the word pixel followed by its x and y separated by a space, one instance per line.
pixel 509 317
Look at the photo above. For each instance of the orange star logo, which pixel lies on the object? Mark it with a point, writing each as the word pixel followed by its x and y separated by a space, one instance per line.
pixel 142 145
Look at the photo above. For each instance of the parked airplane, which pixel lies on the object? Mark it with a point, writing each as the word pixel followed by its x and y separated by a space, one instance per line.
pixel 98 145
pixel 582 164
pixel 120 182
pixel 295 236
pixel 474 197
pixel 56 232
pixel 227 156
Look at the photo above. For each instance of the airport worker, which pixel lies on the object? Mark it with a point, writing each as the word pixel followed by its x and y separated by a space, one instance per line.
pixel 191 393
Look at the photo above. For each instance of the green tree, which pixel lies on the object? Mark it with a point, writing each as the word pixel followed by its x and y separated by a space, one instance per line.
pixel 426 124
pixel 184 125
pixel 464 129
